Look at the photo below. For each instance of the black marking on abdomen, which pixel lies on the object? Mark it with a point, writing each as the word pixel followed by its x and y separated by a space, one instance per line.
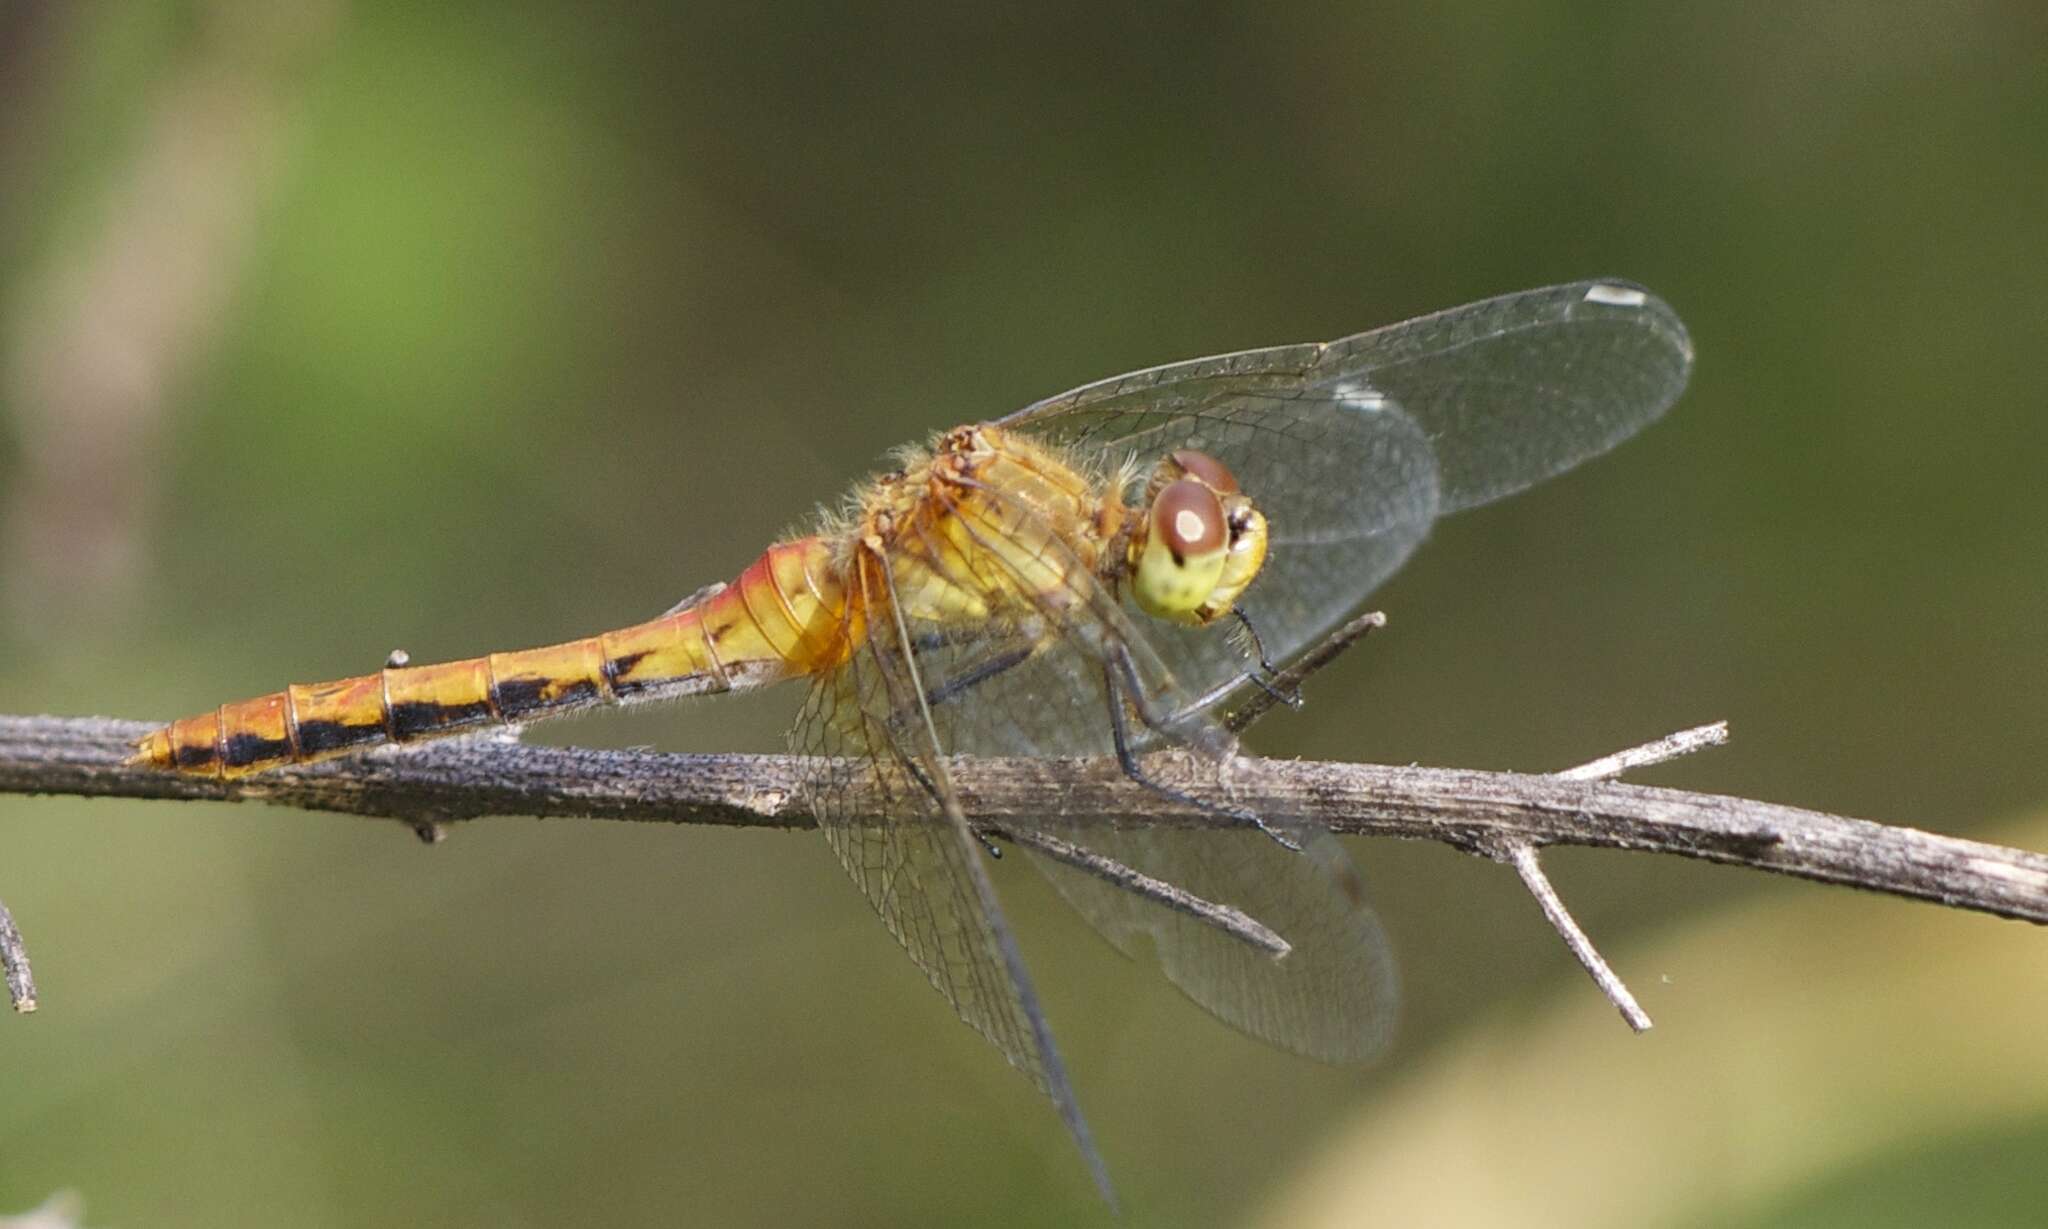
pixel 633 687
pixel 319 737
pixel 246 749
pixel 192 755
pixel 519 696
pixel 419 718
pixel 615 666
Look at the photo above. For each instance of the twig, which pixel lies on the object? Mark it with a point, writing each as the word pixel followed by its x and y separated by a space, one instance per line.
pixel 1475 811
pixel 1522 856
pixel 1236 923
pixel 21 982
pixel 1669 747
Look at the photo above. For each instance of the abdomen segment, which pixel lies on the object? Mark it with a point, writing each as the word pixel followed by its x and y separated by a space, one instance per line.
pixel 784 617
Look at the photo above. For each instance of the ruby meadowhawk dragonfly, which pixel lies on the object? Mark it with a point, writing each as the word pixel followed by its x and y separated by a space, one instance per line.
pixel 1097 574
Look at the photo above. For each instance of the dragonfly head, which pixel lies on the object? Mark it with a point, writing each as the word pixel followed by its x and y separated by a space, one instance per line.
pixel 1199 543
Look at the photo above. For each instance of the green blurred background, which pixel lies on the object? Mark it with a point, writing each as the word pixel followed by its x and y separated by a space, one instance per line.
pixel 328 327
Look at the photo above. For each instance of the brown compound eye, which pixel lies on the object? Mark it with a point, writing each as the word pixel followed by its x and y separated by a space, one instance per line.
pixel 1188 519
pixel 1210 471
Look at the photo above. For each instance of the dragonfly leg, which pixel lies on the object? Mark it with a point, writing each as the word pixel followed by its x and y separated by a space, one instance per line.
pixel 1267 670
pixel 960 684
pixel 1126 760
pixel 981 672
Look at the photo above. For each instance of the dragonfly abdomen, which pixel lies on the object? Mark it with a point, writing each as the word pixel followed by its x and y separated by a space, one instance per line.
pixel 782 618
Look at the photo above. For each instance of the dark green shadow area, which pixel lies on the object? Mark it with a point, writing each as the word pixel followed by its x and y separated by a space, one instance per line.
pixel 1979 1178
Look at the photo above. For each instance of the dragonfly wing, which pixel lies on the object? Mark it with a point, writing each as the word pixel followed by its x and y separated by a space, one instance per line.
pixel 1516 389
pixel 1333 997
pixel 885 801
pixel 1353 447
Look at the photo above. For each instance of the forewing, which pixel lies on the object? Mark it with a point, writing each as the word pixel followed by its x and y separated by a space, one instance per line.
pixel 1517 389
pixel 886 803
pixel 1353 447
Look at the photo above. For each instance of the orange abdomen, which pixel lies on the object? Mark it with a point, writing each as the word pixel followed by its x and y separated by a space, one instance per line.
pixel 785 617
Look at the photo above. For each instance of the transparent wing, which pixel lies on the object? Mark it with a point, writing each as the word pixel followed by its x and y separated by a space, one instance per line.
pixel 1353 447
pixel 885 801
pixel 1043 687
pixel 1332 997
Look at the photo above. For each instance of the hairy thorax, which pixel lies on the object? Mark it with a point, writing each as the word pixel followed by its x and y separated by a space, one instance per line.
pixel 985 525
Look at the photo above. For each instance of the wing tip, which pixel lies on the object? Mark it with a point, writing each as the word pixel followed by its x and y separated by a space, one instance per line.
pixel 1626 294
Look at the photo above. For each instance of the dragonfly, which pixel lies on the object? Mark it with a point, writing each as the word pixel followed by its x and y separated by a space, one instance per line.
pixel 1100 574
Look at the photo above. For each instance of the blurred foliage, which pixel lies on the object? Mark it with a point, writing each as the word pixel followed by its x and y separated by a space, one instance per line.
pixel 523 320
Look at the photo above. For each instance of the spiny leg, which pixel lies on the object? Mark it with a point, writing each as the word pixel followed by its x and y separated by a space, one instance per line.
pixel 981 672
pixel 1128 761
pixel 1262 678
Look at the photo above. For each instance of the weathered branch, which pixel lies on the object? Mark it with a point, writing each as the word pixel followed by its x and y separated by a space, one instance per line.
pixel 1507 817
pixel 1476 811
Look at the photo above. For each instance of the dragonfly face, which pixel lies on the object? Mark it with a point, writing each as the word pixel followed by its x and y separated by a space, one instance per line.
pixel 1199 544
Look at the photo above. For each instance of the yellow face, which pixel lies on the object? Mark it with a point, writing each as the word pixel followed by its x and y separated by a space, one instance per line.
pixel 1199 543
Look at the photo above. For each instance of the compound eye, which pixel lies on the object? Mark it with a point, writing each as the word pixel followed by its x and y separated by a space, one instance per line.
pixel 1182 554
pixel 1206 469
pixel 1187 519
